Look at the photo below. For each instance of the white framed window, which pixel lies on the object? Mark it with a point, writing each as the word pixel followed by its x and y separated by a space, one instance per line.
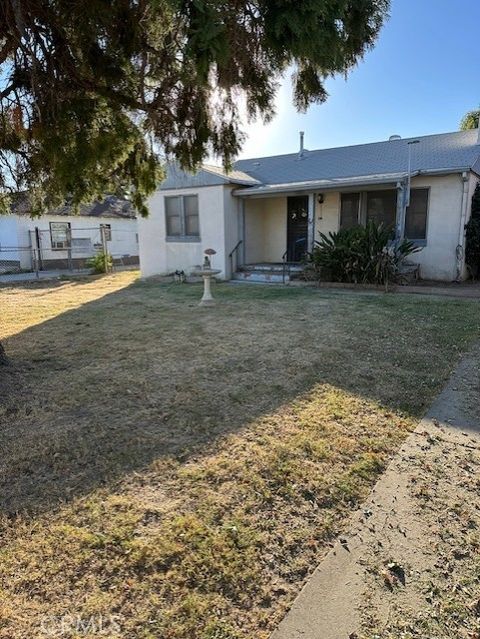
pixel 60 235
pixel 181 216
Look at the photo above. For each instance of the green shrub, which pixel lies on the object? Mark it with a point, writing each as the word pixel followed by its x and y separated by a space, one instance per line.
pixel 101 262
pixel 365 255
pixel 472 246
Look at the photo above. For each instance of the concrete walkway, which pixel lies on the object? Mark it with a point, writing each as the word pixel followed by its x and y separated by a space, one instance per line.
pixel 381 569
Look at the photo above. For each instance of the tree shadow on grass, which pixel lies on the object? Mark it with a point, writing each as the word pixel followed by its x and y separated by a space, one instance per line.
pixel 144 374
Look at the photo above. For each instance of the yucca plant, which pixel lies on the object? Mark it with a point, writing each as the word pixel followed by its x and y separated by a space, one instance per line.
pixel 366 255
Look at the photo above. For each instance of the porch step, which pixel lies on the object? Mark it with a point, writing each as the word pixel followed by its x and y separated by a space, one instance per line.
pixel 274 267
pixel 267 273
pixel 264 276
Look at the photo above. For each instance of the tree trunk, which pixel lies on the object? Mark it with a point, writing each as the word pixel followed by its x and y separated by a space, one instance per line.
pixel 3 356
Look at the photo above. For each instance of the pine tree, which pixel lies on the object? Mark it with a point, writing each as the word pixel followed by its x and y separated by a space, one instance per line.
pixel 94 94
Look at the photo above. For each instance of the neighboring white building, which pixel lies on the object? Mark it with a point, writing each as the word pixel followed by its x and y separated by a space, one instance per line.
pixel 272 209
pixel 61 240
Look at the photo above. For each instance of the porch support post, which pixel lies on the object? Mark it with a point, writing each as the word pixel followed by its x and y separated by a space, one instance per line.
pixel 400 214
pixel 311 222
pixel 241 233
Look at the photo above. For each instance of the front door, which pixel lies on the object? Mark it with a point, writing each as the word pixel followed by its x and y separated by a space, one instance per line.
pixel 297 227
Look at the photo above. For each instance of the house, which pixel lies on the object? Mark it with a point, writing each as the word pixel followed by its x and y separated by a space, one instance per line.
pixel 270 210
pixel 64 240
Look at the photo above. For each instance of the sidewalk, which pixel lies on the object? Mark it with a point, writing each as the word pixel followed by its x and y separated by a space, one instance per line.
pixel 408 549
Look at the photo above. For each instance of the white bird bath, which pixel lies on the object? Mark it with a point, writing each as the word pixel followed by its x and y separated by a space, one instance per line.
pixel 207 274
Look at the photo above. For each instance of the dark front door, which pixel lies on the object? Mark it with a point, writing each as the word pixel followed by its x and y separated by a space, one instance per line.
pixel 297 227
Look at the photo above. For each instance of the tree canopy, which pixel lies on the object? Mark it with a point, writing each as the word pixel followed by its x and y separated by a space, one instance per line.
pixel 470 120
pixel 95 95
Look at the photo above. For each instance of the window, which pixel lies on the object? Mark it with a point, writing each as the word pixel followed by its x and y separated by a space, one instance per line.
pixel 349 210
pixel 382 207
pixel 416 218
pixel 60 235
pixel 181 212
pixel 108 231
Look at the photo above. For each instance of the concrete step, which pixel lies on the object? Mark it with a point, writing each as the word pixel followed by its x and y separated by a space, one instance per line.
pixel 264 276
pixel 273 268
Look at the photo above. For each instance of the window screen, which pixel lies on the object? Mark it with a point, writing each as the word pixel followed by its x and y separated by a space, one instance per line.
pixel 382 207
pixel 191 215
pixel 173 211
pixel 349 210
pixel 182 216
pixel 416 218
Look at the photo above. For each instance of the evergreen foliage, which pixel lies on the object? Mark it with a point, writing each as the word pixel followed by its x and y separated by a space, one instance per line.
pixel 470 120
pixel 472 246
pixel 96 95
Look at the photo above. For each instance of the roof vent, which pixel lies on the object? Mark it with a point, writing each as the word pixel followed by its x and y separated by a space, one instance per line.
pixel 300 154
pixel 394 137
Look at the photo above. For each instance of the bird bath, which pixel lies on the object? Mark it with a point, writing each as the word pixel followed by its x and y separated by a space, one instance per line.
pixel 207 272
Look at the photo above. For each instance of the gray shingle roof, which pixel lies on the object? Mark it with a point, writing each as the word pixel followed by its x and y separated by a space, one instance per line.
pixel 110 206
pixel 207 176
pixel 459 150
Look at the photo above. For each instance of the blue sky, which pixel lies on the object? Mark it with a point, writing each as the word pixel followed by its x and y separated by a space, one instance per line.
pixel 421 77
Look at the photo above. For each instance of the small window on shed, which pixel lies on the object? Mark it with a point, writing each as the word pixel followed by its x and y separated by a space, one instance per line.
pixel 60 235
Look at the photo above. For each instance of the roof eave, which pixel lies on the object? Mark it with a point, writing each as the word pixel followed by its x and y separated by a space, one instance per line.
pixel 360 181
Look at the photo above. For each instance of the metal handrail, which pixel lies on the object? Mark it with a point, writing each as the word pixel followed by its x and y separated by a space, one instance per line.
pixel 284 268
pixel 232 252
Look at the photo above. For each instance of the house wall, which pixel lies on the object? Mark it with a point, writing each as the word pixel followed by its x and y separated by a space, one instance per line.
pixel 327 214
pixel 437 259
pixel 12 253
pixel 16 231
pixel 123 245
pixel 265 229
pixel 218 218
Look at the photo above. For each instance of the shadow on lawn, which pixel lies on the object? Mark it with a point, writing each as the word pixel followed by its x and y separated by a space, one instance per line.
pixel 143 373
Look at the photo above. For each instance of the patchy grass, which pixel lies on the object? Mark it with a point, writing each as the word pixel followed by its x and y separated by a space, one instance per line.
pixel 177 472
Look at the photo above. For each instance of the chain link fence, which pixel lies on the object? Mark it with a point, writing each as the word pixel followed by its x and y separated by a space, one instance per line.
pixel 61 249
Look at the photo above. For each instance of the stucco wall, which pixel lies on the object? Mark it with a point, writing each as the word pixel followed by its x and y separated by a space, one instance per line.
pixel 438 258
pixel 232 222
pixel 159 256
pixel 265 229
pixel 327 214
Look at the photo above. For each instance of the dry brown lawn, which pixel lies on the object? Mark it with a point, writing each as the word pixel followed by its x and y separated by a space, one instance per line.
pixel 175 472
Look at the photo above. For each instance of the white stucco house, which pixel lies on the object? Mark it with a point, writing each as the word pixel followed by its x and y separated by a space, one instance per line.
pixel 270 210
pixel 62 240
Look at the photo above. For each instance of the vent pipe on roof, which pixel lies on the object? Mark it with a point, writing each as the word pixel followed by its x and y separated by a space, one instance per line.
pixel 302 135
pixel 394 137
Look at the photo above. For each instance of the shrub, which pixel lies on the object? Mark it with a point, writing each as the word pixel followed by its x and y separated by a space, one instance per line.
pixel 366 255
pixel 101 262
pixel 472 246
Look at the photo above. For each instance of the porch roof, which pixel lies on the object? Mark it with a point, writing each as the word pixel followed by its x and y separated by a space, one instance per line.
pixel 336 184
